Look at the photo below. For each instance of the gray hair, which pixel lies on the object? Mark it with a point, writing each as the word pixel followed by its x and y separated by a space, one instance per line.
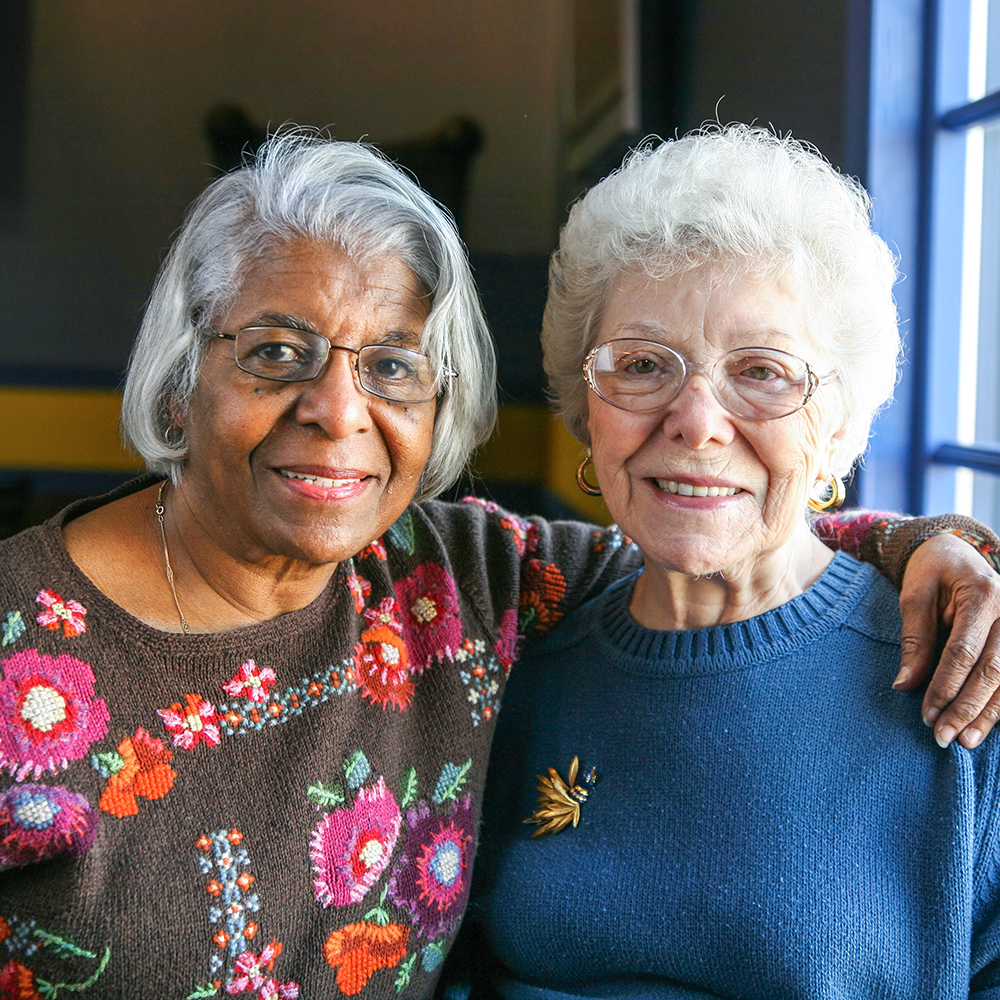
pixel 761 203
pixel 301 186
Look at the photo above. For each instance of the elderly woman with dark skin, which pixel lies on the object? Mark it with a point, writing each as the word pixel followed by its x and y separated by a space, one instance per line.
pixel 702 784
pixel 246 702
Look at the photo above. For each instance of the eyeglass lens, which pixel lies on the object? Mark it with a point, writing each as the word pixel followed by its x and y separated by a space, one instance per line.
pixel 754 382
pixel 286 355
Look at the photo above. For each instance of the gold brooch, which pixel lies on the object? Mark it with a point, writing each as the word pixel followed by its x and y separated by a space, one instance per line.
pixel 559 801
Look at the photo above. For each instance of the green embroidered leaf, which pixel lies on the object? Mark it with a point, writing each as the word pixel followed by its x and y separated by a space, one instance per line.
pixel 451 781
pixel 409 789
pixel 527 619
pixel 405 973
pixel 49 991
pixel 357 769
pixel 401 533
pixel 108 763
pixel 378 915
pixel 201 992
pixel 61 947
pixel 432 956
pixel 325 795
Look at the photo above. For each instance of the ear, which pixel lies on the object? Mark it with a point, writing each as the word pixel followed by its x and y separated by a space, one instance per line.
pixel 825 456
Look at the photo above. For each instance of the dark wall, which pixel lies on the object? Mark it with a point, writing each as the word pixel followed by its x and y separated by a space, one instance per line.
pixel 797 67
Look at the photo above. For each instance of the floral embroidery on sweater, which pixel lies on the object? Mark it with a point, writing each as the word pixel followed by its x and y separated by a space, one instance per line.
pixel 352 848
pixel 48 712
pixel 196 722
pixel 359 588
pixel 381 663
pixel 543 587
pixel 57 613
pixel 241 717
pixel 402 534
pixel 25 937
pixel 428 607
pixel 482 676
pixel 13 628
pixel 139 767
pixel 251 682
pixel 236 968
pixel 361 949
pixel 38 822
pixel 376 549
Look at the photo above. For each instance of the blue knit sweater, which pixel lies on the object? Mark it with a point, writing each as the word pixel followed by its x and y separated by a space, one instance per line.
pixel 770 820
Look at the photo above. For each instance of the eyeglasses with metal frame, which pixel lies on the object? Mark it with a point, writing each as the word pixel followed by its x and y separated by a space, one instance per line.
pixel 755 383
pixel 283 354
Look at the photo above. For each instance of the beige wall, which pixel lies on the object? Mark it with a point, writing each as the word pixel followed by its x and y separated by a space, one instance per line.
pixel 117 95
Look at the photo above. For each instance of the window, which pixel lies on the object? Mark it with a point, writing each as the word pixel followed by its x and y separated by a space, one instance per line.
pixel 934 170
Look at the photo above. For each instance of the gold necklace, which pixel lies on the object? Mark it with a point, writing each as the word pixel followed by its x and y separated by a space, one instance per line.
pixel 185 628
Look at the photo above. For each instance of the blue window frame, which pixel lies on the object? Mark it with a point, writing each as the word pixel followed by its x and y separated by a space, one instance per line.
pixel 934 172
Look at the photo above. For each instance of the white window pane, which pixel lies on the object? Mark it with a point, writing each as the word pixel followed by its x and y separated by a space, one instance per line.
pixel 986 498
pixel 992 82
pixel 987 424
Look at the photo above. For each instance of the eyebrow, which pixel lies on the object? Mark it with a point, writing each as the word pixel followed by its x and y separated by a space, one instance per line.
pixel 404 338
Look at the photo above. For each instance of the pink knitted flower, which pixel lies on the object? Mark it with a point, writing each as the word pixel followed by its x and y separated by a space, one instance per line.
pixel 428 606
pixel 352 847
pixel 48 712
pixel 251 682
pixel 58 613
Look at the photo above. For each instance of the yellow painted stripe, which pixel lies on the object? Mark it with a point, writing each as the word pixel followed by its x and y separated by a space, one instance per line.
pixel 70 430
pixel 532 445
pixel 76 430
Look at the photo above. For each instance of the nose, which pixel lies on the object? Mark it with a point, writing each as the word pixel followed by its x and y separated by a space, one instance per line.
pixel 695 415
pixel 334 401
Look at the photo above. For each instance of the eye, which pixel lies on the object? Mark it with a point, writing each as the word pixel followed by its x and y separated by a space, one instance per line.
pixel 277 353
pixel 391 368
pixel 642 366
pixel 761 369
pixel 759 373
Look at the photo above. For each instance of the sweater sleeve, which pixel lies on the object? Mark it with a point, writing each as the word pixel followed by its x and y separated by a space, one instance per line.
pixel 523 575
pixel 888 540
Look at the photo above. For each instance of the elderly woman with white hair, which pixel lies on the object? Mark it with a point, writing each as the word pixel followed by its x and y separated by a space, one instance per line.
pixel 246 702
pixel 702 784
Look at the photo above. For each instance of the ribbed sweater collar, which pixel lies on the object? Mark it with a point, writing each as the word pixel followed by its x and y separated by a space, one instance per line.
pixel 826 604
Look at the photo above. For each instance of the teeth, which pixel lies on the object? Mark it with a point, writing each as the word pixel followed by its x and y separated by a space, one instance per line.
pixel 318 480
pixel 687 490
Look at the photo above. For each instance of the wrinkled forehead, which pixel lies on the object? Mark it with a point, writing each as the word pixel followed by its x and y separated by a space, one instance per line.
pixel 713 308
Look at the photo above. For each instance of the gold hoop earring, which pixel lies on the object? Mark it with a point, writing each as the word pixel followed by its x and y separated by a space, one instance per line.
pixel 581 478
pixel 830 502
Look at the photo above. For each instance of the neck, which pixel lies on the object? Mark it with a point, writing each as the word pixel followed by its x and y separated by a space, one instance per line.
pixel 217 590
pixel 665 599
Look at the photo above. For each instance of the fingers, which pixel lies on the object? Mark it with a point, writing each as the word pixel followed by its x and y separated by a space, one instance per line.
pixel 931 573
pixel 948 583
pixel 973 711
pixel 918 606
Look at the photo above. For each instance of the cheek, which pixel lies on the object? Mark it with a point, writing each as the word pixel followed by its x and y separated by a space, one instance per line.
pixel 408 435
pixel 797 456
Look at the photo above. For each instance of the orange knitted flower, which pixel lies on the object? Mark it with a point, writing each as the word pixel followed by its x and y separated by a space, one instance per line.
pixel 17 983
pixel 143 771
pixel 358 950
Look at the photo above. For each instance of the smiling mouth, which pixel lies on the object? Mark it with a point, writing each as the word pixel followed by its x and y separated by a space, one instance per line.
pixel 327 484
pixel 687 490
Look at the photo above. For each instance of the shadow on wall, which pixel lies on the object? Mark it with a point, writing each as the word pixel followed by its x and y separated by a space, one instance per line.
pixel 441 160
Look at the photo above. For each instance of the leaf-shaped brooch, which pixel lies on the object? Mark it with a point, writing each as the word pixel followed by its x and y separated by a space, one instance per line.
pixel 559 801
